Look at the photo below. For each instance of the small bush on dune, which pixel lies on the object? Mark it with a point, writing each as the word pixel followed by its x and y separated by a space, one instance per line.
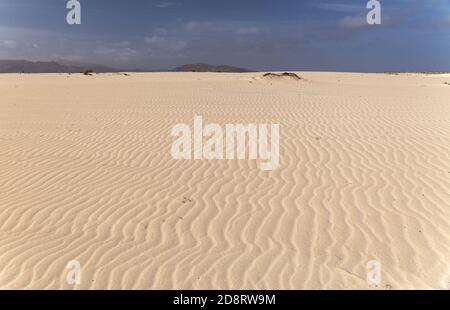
pixel 282 75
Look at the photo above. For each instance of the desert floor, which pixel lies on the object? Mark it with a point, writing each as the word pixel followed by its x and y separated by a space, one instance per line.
pixel 86 174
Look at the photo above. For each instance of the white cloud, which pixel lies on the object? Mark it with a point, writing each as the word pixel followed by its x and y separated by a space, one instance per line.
pixel 161 31
pixel 353 22
pixel 118 53
pixel 165 44
pixel 9 44
pixel 163 5
pixel 153 40
pixel 121 44
pixel 196 25
pixel 339 7
pixel 248 30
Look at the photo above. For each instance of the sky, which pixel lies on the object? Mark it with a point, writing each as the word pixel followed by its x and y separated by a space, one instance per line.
pixel 312 35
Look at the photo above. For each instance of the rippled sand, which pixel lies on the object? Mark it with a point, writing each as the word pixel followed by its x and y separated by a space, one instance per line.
pixel 86 174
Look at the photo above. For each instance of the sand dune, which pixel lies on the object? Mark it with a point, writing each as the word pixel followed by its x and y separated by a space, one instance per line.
pixel 86 174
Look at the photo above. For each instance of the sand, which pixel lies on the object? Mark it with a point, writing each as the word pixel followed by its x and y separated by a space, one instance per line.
pixel 86 174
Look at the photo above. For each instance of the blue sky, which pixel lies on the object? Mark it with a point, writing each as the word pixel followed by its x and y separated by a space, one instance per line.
pixel 326 35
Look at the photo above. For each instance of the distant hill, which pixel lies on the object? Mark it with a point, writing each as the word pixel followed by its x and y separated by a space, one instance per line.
pixel 24 66
pixel 209 68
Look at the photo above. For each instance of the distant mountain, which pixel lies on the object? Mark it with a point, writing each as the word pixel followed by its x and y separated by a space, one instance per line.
pixel 24 66
pixel 87 66
pixel 209 68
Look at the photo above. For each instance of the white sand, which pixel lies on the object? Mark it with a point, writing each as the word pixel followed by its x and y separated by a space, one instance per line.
pixel 86 174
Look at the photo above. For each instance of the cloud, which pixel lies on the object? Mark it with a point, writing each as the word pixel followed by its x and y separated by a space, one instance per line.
pixel 194 25
pixel 154 40
pixel 248 30
pixel 118 53
pixel 11 44
pixel 165 44
pixel 353 22
pixel 164 5
pixel 121 44
pixel 339 7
